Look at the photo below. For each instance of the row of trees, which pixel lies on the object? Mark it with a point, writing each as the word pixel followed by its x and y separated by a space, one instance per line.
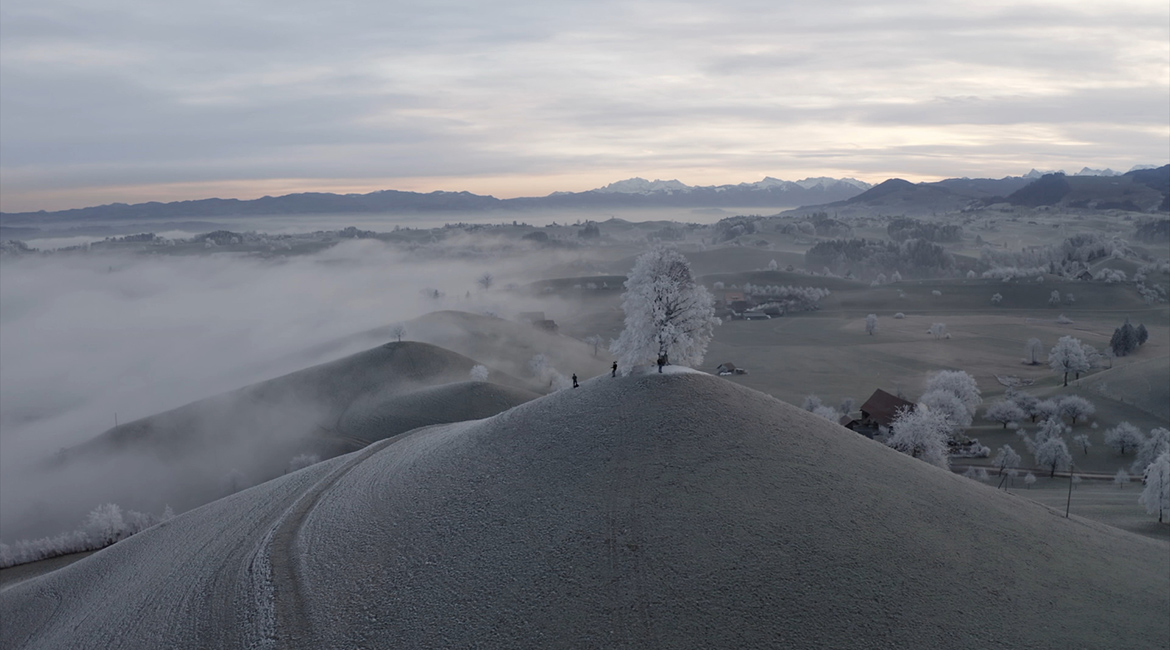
pixel 793 298
pixel 865 257
pixel 104 525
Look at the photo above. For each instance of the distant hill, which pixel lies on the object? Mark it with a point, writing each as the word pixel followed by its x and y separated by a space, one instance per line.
pixel 898 196
pixel 189 455
pixel 655 511
pixel 1145 190
pixel 1141 190
pixel 632 193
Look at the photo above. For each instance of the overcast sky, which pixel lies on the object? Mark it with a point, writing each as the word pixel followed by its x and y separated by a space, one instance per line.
pixel 130 100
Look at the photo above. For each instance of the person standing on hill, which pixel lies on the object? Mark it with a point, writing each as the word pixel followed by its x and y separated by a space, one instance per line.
pixel 613 373
pixel 575 384
pixel 661 362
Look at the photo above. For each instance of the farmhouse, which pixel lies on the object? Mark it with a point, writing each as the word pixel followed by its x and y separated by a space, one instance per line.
pixel 878 411
pixel 728 368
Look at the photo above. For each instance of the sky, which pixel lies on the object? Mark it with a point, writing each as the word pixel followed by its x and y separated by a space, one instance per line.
pixel 128 100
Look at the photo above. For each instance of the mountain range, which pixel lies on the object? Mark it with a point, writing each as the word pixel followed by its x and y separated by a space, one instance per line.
pixel 1141 189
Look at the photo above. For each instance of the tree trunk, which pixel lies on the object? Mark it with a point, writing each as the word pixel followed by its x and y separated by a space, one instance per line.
pixel 1066 379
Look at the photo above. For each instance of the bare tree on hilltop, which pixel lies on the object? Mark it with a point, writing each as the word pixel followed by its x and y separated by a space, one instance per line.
pixel 669 316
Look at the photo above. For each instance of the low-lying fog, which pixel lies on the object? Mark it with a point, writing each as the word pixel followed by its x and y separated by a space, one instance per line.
pixel 86 336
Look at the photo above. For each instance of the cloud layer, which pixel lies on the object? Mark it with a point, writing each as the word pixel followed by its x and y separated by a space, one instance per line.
pixel 138 100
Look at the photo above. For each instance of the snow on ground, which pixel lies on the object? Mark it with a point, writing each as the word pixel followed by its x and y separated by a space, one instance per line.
pixel 678 511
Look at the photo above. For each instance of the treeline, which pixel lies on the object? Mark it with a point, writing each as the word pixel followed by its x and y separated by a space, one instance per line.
pixel 792 298
pixel 904 228
pixel 868 257
pixel 1068 258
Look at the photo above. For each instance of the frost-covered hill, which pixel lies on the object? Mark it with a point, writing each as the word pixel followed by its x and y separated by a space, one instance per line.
pixel 678 511
pixel 196 453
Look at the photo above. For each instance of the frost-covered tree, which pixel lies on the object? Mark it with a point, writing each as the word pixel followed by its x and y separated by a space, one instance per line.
pixel 996 298
pixel 1033 350
pixel 486 281
pixel 922 434
pixel 958 383
pixel 827 412
pixel 1006 458
pixel 1027 403
pixel 596 341
pixel 301 461
pixel 1121 478
pixel 1075 407
pixel 1157 444
pixel 1004 411
pixel 1124 437
pixel 479 372
pixel 896 277
pixel 1068 356
pixel 938 330
pixel 871 324
pixel 952 410
pixel 398 330
pixel 847 405
pixel 1029 480
pixel 1156 495
pixel 668 315
pixel 1053 454
pixel 1054 298
pixel 772 266
pixel 1047 409
pixel 811 403
pixel 1143 334
pixel 1083 442
pixel 105 524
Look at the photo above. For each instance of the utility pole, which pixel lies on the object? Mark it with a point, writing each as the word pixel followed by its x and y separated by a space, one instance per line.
pixel 1068 503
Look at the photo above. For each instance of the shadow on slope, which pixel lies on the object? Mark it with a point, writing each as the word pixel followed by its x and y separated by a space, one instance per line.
pixel 676 511
pixel 201 451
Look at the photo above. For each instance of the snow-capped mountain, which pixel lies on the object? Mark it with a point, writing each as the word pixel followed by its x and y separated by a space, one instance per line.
pixel 638 185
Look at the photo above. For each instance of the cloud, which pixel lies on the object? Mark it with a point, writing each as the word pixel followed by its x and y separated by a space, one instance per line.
pixel 134 94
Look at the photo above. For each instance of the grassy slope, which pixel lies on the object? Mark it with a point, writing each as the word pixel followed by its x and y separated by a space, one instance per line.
pixel 684 511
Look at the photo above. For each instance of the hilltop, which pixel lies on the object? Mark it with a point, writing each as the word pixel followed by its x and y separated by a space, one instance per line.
pixel 676 510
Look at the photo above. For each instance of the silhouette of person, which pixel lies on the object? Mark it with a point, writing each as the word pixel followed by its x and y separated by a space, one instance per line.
pixel 575 384
pixel 613 373
pixel 661 362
